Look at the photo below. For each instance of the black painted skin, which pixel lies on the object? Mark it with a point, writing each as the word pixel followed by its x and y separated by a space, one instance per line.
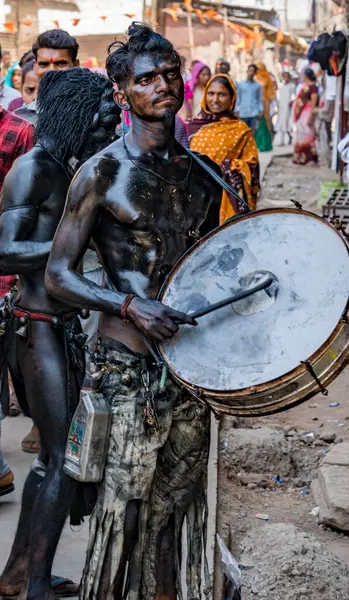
pixel 140 225
pixel 32 203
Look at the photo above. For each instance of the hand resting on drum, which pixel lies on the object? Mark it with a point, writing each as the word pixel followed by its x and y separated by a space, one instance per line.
pixel 156 320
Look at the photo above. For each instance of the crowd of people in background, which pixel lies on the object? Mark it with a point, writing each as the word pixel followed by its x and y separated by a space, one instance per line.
pixel 292 109
pixel 296 108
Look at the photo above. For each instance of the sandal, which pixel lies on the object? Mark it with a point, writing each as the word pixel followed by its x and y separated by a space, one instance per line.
pixel 14 409
pixel 31 442
pixel 63 587
pixel 6 484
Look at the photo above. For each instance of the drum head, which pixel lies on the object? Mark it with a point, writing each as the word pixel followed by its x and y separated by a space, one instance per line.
pixel 268 335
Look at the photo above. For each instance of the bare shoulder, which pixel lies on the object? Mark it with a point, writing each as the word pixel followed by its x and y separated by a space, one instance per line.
pixel 21 181
pixel 102 166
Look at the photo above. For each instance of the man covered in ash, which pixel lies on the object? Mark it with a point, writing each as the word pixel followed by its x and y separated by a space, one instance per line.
pixel 143 201
pixel 43 343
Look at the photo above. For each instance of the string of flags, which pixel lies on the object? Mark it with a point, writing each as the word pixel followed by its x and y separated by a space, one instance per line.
pixel 248 37
pixel 11 27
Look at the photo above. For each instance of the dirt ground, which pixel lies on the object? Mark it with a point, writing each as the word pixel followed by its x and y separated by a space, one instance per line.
pixel 285 181
pixel 240 495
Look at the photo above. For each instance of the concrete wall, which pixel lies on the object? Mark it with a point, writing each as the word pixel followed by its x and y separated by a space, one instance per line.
pixel 96 45
pixel 204 35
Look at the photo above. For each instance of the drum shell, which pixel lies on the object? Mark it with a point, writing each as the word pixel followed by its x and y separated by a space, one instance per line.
pixel 290 389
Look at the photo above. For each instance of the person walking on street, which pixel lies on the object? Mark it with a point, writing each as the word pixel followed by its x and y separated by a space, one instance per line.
pixel 222 66
pixel 194 90
pixel 220 135
pixel 287 96
pixel 265 131
pixel 140 201
pixel 16 138
pixel 53 50
pixel 249 106
pixel 304 115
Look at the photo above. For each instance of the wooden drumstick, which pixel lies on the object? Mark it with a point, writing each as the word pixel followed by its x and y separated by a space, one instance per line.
pixel 240 296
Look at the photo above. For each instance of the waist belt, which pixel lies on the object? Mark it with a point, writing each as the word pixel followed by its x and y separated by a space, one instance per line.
pixel 55 320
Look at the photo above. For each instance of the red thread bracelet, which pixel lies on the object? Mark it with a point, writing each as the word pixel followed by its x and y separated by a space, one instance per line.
pixel 125 306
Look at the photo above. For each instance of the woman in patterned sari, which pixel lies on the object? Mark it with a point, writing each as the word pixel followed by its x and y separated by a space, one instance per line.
pixel 217 133
pixel 304 115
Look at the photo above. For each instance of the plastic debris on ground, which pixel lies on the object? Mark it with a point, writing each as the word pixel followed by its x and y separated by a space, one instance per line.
pixel 278 479
pixel 231 570
pixel 334 404
pixel 305 492
pixel 324 450
pixel 262 516
pixel 315 512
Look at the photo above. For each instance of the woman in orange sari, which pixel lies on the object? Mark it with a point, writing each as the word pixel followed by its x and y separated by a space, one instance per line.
pixel 264 131
pixel 217 133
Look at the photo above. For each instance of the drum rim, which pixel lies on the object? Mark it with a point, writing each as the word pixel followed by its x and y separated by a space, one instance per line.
pixel 297 371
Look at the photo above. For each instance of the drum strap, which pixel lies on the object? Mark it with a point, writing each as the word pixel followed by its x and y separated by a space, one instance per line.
pixel 220 180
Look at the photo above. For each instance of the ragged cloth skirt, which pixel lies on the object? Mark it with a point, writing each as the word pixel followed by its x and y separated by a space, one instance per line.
pixel 165 473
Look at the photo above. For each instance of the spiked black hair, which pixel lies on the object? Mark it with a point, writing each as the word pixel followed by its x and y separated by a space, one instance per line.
pixel 57 39
pixel 77 112
pixel 142 40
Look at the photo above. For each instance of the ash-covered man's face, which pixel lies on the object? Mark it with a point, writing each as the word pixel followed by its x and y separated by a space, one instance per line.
pixel 155 89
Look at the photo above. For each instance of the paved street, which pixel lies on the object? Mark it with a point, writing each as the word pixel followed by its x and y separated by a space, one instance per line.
pixel 71 552
pixel 70 556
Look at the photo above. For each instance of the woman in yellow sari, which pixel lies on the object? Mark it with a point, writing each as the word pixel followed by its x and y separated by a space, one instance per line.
pixel 225 139
pixel 264 131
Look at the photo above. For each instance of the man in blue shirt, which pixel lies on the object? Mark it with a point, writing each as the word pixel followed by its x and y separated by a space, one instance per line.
pixel 249 107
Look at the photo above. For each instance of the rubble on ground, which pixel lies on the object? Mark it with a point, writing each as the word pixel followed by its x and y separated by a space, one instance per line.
pixel 331 488
pixel 289 564
pixel 256 457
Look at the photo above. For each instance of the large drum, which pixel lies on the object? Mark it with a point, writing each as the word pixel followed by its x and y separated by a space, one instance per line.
pixel 279 346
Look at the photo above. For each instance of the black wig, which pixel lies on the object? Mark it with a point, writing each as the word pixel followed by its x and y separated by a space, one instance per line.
pixel 76 111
